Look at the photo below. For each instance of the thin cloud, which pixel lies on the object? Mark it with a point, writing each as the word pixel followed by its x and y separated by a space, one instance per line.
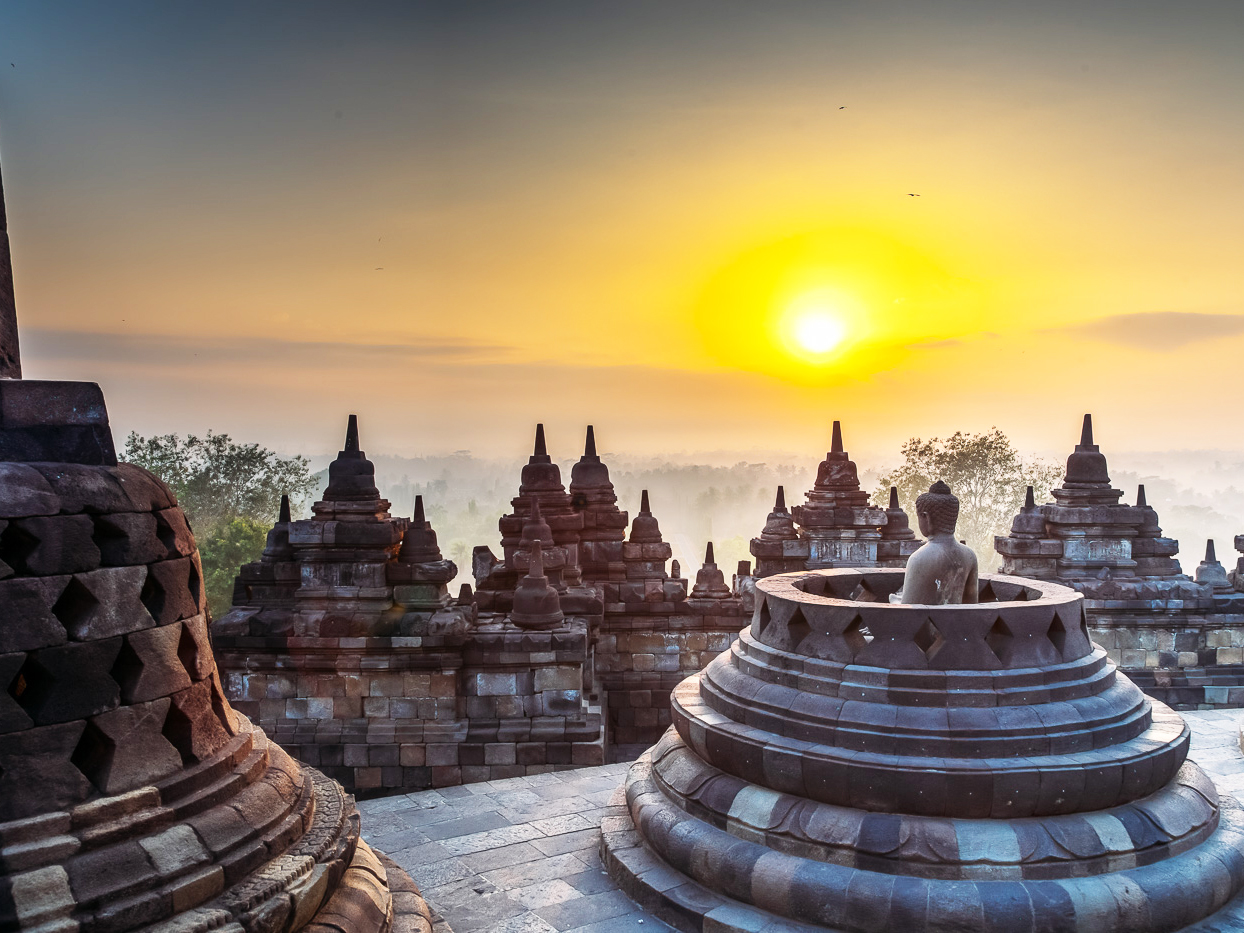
pixel 1160 330
pixel 139 349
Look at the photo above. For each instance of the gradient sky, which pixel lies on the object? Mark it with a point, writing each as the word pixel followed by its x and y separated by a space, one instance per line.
pixel 456 219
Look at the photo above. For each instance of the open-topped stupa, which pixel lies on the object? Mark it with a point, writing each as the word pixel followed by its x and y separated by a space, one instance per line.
pixel 856 764
pixel 132 795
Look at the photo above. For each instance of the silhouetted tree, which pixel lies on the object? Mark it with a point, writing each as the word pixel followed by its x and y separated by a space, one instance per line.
pixel 987 474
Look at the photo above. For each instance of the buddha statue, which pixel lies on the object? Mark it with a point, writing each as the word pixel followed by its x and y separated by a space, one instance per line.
pixel 942 571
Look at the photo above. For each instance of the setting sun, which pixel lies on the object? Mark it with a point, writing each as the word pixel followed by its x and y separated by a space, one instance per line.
pixel 818 331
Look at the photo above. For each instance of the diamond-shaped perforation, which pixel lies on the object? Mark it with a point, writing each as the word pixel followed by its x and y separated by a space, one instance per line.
pixel 165 533
pixel 16 545
pixel 862 594
pixel 985 593
pixel 152 596
pixel 1057 634
pixel 999 639
pixel 798 628
pixel 839 586
pixel 179 730
pixel 856 635
pixel 188 652
pixel 928 639
pixel 108 536
pixel 127 669
pixel 75 606
pixel 31 686
pixel 93 754
pixel 765 616
pixel 194 584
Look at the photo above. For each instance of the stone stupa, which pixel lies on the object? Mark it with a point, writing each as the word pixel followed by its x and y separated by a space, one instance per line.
pixel 132 796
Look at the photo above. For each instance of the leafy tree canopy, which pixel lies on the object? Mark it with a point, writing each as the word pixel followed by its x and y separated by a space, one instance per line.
pixel 984 471
pixel 231 493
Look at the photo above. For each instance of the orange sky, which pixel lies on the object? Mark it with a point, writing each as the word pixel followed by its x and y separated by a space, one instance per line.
pixel 456 222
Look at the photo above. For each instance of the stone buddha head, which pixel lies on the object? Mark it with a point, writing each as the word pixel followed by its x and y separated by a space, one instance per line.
pixel 937 510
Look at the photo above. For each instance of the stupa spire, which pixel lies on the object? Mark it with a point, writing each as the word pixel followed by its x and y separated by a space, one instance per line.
pixel 540 454
pixel 352 435
pixel 1210 556
pixel 836 443
pixel 894 496
pixel 589 446
pixel 419 518
pixel 1141 502
pixel 644 508
pixel 284 516
pixel 10 354
pixel 1030 500
pixel 779 503
pixel 1086 432
pixel 708 554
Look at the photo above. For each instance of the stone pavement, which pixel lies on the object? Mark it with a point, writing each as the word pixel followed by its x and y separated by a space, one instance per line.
pixel 520 855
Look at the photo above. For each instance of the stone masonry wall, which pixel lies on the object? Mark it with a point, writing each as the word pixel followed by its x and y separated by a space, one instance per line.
pixel 1193 661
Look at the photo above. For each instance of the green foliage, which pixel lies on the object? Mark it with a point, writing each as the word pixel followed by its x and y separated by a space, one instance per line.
pixel 984 471
pixel 230 492
pixel 226 548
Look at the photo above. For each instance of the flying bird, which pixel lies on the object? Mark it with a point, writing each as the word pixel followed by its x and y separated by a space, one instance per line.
pixel 910 195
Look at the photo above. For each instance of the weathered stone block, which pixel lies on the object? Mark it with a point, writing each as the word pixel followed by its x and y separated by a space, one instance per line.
pixel 36 773
pixel 68 681
pixel 168 592
pixel 149 664
pixel 50 545
pixel 193 725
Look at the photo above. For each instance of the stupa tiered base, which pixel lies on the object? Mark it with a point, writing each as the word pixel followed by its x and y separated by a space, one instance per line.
pixel 854 765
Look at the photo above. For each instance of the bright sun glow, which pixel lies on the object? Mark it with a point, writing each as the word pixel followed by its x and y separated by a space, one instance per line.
pixel 818 331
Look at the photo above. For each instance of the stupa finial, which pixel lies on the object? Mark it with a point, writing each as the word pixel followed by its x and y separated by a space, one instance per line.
pixel 352 435
pixel 1030 499
pixel 540 450
pixel 836 443
pixel 1141 501
pixel 536 567
pixel 419 518
pixel 708 554
pixel 10 354
pixel 1086 433
pixel 779 504
pixel 1210 556
pixel 589 447
pixel 894 497
pixel 284 516
pixel 644 508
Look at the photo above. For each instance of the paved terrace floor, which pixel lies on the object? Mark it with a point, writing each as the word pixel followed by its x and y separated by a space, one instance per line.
pixel 519 855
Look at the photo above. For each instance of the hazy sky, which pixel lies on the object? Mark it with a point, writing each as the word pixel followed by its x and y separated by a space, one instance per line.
pixel 456 219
